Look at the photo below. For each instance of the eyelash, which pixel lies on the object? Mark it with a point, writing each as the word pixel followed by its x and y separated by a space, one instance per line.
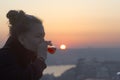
pixel 40 36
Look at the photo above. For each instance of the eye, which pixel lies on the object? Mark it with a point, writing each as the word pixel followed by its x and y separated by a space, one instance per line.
pixel 40 35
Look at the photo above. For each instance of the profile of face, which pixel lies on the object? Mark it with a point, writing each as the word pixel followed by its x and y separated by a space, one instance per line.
pixel 32 38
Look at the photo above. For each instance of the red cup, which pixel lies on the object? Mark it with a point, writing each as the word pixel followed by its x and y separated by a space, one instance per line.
pixel 51 49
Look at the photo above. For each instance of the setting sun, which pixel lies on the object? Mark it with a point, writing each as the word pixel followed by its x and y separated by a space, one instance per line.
pixel 62 46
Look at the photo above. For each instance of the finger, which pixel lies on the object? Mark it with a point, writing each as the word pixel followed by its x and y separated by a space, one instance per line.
pixel 49 42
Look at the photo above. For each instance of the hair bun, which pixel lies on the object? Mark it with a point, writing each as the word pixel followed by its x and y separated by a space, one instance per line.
pixel 14 16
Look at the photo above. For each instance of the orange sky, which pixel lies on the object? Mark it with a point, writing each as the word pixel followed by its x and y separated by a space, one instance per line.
pixel 76 23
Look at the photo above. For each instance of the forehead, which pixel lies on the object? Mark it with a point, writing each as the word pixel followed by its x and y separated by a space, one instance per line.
pixel 36 28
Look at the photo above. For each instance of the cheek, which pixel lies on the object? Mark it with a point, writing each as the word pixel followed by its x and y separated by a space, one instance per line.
pixel 35 42
pixel 31 44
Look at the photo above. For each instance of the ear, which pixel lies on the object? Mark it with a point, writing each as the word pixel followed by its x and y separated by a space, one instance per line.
pixel 21 39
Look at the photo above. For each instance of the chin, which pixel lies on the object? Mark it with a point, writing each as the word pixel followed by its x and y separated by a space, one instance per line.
pixel 33 50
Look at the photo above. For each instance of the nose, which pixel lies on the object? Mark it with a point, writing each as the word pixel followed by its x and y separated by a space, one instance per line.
pixel 41 40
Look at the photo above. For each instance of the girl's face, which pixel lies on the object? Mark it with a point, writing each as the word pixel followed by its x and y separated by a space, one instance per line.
pixel 31 39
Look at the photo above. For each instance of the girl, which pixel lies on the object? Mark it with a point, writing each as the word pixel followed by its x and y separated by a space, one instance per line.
pixel 24 54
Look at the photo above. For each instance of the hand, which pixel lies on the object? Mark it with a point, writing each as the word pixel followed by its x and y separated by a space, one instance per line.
pixel 43 48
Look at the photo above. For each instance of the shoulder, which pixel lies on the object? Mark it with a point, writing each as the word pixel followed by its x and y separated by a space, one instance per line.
pixel 4 52
pixel 5 55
